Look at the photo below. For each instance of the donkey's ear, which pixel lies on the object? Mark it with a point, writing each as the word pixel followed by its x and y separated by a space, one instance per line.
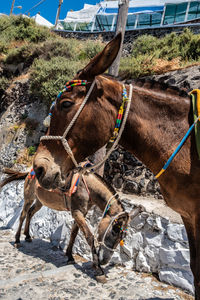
pixel 102 61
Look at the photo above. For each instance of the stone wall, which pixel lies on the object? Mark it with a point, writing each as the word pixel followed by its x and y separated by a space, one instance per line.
pixel 130 35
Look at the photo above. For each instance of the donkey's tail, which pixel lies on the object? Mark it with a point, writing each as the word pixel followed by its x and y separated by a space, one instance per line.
pixel 13 175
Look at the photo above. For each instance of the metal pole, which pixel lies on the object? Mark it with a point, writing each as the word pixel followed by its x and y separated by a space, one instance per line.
pixel 120 27
pixel 11 10
pixel 58 12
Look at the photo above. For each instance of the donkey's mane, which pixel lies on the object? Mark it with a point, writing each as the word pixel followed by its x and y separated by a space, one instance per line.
pixel 158 84
pixel 153 84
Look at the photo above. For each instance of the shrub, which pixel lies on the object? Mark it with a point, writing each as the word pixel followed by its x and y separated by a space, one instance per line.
pixel 145 44
pixel 22 28
pixel 3 46
pixel 48 77
pixel 133 67
pixel 17 55
pixel 4 83
pixel 31 150
pixel 186 46
pixel 68 48
pixel 90 49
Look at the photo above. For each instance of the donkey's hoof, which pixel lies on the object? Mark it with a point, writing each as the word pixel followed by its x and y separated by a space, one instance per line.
pixel 17 245
pixel 101 278
pixel 28 239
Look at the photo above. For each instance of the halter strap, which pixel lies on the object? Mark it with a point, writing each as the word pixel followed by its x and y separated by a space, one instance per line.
pixel 63 137
pixel 117 132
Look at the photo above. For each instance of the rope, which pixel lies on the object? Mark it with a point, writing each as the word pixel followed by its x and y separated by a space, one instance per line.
pixel 63 137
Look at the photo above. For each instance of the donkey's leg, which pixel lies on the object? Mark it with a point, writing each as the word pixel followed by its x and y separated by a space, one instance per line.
pixel 34 208
pixel 197 261
pixel 81 222
pixel 25 209
pixel 194 258
pixel 73 235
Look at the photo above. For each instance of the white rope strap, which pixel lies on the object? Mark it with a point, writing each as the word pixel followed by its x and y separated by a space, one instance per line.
pixel 108 202
pixel 63 137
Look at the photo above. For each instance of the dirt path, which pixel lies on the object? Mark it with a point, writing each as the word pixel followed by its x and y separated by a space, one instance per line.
pixel 36 271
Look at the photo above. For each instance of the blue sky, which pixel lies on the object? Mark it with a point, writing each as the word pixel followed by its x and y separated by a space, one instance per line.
pixel 47 9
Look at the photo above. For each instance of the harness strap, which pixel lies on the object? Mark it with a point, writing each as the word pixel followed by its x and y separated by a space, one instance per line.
pixel 183 140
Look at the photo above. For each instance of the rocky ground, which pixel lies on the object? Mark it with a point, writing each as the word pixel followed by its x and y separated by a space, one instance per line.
pixel 36 271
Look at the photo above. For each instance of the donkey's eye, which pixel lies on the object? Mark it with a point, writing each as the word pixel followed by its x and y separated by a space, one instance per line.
pixel 66 104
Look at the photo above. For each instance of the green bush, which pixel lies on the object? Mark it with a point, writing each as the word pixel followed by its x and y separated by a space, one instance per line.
pixel 22 28
pixel 90 49
pixel 21 54
pixel 46 50
pixel 145 44
pixel 60 47
pixel 134 67
pixel 4 83
pixel 48 77
pixel 186 46
pixel 3 46
pixel 31 150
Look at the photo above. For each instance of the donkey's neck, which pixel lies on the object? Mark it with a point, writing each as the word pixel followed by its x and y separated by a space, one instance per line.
pixel 157 122
pixel 101 193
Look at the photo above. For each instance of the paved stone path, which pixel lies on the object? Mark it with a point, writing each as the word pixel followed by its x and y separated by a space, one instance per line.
pixel 36 271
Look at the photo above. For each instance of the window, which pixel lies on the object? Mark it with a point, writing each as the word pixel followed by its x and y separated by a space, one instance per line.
pixel 130 24
pixel 194 10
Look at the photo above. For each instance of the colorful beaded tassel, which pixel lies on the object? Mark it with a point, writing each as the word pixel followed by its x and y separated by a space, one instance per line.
pixel 68 87
pixel 119 116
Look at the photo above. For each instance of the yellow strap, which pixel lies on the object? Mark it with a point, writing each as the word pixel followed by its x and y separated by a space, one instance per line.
pixel 160 173
pixel 197 91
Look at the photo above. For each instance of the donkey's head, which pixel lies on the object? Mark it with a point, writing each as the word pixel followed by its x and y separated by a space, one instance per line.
pixel 110 234
pixel 92 128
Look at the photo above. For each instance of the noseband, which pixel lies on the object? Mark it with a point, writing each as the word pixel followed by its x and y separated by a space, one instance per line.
pixel 117 131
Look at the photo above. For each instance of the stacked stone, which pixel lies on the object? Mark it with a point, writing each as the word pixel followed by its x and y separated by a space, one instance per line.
pixel 129 175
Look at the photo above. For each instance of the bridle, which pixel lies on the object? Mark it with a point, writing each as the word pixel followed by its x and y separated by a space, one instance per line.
pixel 102 242
pixel 117 132
pixel 63 137
pixel 97 243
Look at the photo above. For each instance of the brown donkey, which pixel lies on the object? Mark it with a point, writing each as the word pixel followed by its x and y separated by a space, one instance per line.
pixel 110 230
pixel 158 119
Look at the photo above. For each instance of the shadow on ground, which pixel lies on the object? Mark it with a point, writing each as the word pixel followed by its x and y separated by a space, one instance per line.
pixel 44 250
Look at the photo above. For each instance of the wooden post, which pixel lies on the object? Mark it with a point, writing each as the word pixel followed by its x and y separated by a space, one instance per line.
pixel 58 12
pixel 11 10
pixel 120 27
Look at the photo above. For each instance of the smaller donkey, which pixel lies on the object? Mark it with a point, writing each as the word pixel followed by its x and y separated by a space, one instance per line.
pixel 91 190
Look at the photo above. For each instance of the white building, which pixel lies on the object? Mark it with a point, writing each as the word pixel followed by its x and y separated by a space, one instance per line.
pixel 42 21
pixel 141 14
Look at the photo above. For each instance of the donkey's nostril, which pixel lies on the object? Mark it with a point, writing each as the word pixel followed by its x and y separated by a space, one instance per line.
pixel 39 172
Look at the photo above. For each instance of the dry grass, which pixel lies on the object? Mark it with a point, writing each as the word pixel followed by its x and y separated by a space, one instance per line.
pixel 24 158
pixel 163 66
